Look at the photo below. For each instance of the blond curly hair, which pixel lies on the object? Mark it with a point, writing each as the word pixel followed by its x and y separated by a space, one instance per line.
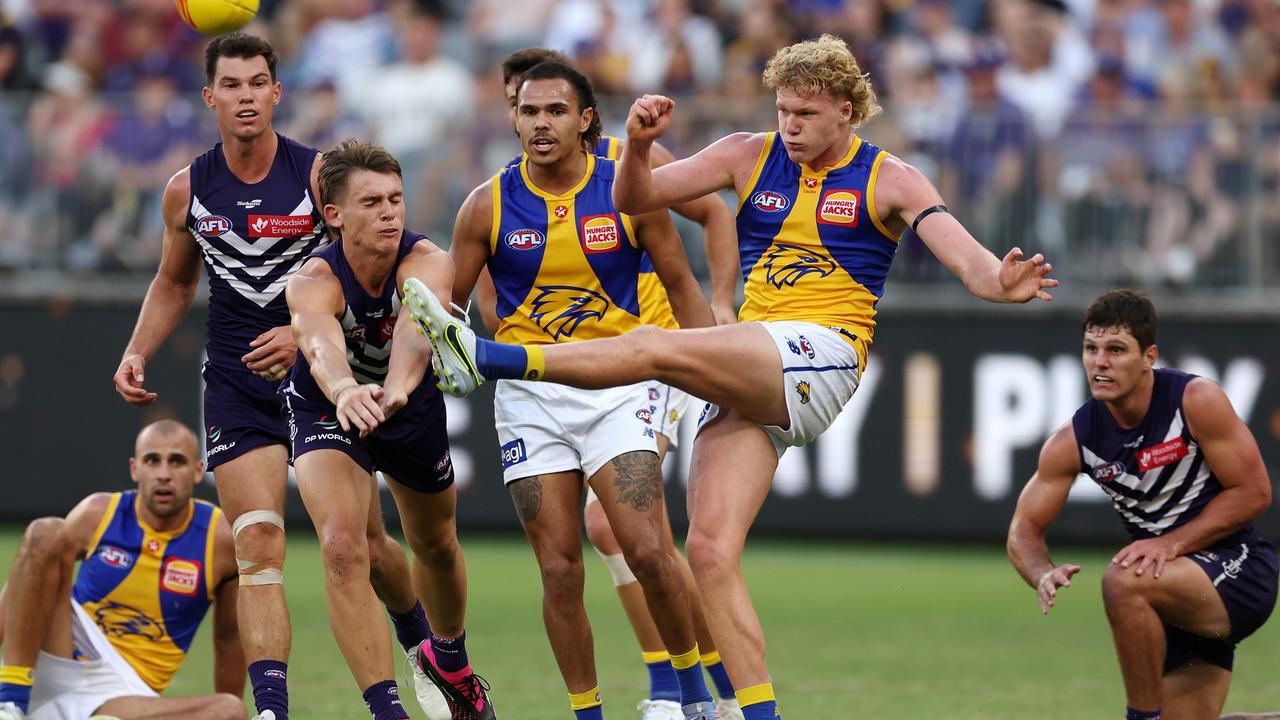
pixel 824 65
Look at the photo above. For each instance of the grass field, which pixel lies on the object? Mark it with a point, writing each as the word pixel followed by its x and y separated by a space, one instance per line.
pixel 855 631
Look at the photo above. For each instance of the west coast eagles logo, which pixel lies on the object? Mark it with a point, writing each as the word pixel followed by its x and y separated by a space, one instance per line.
pixel 117 620
pixel 560 309
pixel 802 389
pixel 788 264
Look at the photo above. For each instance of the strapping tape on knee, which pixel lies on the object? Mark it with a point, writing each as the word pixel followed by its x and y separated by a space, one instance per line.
pixel 618 568
pixel 253 572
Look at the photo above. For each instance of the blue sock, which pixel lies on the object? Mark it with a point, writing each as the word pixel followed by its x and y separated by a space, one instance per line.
pixel 383 700
pixel 411 627
pixel 719 676
pixel 693 688
pixel 767 710
pixel 451 655
pixel 497 361
pixel 663 683
pixel 1131 714
pixel 270 691
pixel 19 695
pixel 591 713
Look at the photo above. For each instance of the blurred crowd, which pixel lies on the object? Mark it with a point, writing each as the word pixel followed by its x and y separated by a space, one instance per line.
pixel 1137 140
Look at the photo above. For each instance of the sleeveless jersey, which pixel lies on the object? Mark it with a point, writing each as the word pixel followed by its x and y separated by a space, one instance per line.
pixel 655 307
pixel 149 590
pixel 813 248
pixel 1155 473
pixel 368 323
pixel 253 238
pixel 565 266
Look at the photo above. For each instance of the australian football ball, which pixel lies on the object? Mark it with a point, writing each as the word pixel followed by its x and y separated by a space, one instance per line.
pixel 215 17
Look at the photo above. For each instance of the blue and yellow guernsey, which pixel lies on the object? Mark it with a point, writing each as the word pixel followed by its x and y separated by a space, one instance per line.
pixel 148 590
pixel 655 307
pixel 813 247
pixel 565 267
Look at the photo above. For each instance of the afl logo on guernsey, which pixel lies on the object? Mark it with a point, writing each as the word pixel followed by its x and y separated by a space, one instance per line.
pixel 600 233
pixel 770 201
pixel 1108 472
pixel 181 577
pixel 839 207
pixel 524 239
pixel 115 557
pixel 212 226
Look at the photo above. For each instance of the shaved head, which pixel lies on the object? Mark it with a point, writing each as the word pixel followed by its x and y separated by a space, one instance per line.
pixel 165 429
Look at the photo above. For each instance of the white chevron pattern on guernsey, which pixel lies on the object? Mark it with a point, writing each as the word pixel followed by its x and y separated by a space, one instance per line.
pixel 241 276
pixel 370 366
pixel 1144 484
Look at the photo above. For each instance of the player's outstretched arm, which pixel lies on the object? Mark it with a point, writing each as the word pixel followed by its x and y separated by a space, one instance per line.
pixel 640 189
pixel 229 666
pixel 1038 506
pixel 720 236
pixel 471 235
pixel 169 296
pixel 411 350
pixel 1231 450
pixel 904 195
pixel 315 301
pixel 657 236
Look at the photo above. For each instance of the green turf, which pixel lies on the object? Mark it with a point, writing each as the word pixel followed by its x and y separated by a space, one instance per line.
pixel 855 631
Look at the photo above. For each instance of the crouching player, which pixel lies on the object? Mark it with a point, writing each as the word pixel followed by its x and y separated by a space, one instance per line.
pixel 106 640
pixel 359 402
pixel 1186 477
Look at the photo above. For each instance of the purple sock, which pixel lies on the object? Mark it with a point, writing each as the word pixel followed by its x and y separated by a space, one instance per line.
pixel 451 655
pixel 1131 714
pixel 270 690
pixel 411 627
pixel 383 699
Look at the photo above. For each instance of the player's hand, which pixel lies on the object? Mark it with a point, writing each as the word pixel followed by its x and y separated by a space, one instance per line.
pixel 1149 553
pixel 273 353
pixel 1024 280
pixel 128 380
pixel 1047 587
pixel 649 118
pixel 357 406
pixel 392 400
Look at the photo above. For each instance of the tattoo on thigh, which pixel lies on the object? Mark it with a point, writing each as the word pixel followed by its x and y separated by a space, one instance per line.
pixel 527 495
pixel 639 481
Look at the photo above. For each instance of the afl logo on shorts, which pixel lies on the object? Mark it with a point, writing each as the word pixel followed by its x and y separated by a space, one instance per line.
pixel 115 557
pixel 769 201
pixel 181 577
pixel 524 239
pixel 839 207
pixel 213 226
pixel 600 233
pixel 646 415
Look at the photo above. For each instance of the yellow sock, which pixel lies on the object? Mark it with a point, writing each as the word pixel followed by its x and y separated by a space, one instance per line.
pixel 536 363
pixel 711 658
pixel 16 675
pixel 685 660
pixel 756 694
pixel 585 700
pixel 653 657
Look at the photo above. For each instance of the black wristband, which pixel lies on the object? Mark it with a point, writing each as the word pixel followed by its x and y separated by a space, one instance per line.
pixel 927 213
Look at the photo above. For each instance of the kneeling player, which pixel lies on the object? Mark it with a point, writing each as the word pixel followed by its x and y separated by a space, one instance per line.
pixel 358 402
pixel 107 641
pixel 1186 477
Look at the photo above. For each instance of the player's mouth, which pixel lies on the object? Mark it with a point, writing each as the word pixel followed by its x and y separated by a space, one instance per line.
pixel 389 232
pixel 542 144
pixel 1103 380
pixel 247 114
pixel 162 494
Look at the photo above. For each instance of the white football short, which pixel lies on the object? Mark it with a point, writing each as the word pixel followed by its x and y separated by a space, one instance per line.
pixel 546 428
pixel 669 406
pixel 67 689
pixel 819 375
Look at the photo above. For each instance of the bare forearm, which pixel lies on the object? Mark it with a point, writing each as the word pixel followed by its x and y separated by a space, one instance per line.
pixel 633 188
pixel 164 307
pixel 1029 553
pixel 981 276
pixel 410 353
pixel 228 666
pixel 329 367
pixel 722 246
pixel 689 305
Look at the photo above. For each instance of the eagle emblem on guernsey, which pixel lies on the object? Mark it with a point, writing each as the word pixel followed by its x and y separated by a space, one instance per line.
pixel 119 620
pixel 788 264
pixel 560 309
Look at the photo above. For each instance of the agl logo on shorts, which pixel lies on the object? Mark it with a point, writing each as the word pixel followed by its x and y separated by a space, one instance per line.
pixel 839 207
pixel 600 233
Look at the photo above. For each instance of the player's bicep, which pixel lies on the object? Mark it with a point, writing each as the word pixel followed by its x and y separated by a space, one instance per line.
pixel 83 520
pixel 431 265
pixel 1228 445
pixel 713 168
pixel 471 234
pixel 179 253
pixel 1045 494
pixel 314 297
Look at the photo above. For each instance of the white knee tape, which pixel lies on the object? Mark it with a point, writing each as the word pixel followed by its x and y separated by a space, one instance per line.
pixel 253 572
pixel 256 517
pixel 617 565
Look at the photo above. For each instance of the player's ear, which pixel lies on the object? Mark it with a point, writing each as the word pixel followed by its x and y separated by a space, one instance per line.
pixel 207 94
pixel 199 472
pixel 332 215
pixel 588 115
pixel 1151 354
pixel 133 469
pixel 276 90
